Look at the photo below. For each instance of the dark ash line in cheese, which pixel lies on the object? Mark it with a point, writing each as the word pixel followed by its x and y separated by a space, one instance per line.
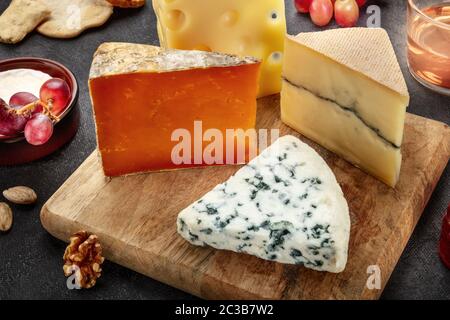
pixel 347 109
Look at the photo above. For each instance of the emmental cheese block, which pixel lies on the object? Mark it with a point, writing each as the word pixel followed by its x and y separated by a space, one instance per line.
pixel 243 27
pixel 344 89
pixel 284 206
pixel 142 94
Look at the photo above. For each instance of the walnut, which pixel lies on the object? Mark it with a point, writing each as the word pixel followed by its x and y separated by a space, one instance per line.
pixel 83 256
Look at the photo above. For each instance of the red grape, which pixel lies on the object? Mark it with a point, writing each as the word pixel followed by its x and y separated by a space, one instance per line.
pixel 321 12
pixel 361 3
pixel 38 129
pixel 56 94
pixel 346 13
pixel 21 99
pixel 11 123
pixel 302 5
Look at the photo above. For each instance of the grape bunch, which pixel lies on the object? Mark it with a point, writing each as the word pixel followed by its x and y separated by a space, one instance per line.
pixel 34 116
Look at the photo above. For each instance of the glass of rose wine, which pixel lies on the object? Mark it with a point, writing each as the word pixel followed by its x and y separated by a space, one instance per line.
pixel 428 28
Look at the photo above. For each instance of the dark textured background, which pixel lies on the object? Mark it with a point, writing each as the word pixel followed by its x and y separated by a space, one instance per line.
pixel 30 259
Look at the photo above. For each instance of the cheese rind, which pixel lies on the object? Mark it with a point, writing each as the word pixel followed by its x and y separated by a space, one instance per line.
pixel 142 95
pixel 356 89
pixel 251 27
pixel 115 58
pixel 367 51
pixel 284 206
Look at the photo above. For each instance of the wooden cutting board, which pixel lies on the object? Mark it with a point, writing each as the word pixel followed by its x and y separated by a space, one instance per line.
pixel 135 219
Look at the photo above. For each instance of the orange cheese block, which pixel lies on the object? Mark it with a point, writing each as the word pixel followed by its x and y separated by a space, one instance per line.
pixel 143 98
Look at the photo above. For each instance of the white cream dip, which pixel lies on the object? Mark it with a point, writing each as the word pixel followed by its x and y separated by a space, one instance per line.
pixel 21 80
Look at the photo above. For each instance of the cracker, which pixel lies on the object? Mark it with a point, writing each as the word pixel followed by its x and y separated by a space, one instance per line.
pixel 20 18
pixel 69 18
pixel 127 3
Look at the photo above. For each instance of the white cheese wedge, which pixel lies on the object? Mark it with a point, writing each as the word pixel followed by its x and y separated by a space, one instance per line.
pixel 344 89
pixel 284 206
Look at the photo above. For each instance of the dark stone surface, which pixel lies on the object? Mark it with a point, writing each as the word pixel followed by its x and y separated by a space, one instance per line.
pixel 30 259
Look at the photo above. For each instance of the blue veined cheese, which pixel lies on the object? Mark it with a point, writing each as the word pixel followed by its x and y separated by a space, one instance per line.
pixel 284 206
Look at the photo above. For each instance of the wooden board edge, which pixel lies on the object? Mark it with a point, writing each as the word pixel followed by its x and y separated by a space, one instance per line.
pixel 428 190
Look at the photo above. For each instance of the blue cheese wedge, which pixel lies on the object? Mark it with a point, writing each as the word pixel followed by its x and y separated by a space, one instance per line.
pixel 284 206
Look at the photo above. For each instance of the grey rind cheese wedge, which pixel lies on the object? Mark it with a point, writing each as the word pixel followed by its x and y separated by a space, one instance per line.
pixel 142 96
pixel 284 206
pixel 344 89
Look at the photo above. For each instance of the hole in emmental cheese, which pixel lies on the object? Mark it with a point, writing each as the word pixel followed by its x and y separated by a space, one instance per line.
pixel 175 19
pixel 230 18
pixel 274 15
pixel 275 57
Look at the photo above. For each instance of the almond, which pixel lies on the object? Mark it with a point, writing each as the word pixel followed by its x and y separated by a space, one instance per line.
pixel 20 195
pixel 6 217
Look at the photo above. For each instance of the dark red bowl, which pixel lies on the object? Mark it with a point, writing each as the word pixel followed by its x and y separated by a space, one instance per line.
pixel 15 149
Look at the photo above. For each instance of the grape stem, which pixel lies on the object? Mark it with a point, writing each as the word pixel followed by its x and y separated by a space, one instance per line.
pixel 33 105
